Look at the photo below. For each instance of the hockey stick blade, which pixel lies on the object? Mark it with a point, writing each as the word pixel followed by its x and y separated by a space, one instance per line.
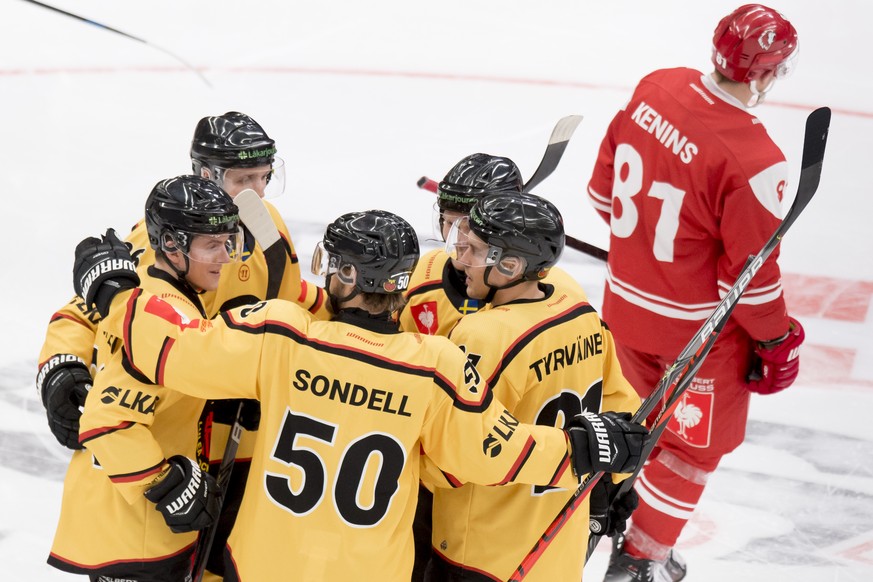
pixel 574 243
pixel 681 372
pixel 225 469
pixel 558 141
pixel 257 219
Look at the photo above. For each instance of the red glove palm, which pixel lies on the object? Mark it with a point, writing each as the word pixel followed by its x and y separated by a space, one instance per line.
pixel 777 363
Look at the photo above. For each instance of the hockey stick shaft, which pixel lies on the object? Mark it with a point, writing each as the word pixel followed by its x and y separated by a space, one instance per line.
pixel 225 469
pixel 122 33
pixel 430 185
pixel 678 377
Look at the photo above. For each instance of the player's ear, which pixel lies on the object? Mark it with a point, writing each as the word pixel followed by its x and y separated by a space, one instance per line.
pixel 511 267
pixel 347 274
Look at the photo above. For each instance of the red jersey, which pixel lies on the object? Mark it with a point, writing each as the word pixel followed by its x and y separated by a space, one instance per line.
pixel 691 185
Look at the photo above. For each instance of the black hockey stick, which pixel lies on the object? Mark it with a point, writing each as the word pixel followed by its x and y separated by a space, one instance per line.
pixel 558 141
pixel 225 469
pixel 430 185
pixel 124 34
pixel 679 375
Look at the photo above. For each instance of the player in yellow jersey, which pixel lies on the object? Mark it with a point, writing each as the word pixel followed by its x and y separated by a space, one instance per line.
pixel 547 355
pixel 437 296
pixel 135 431
pixel 347 407
pixel 234 151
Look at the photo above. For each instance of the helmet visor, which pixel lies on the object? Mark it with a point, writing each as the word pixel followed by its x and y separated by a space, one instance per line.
pixel 324 262
pixel 442 221
pixel 215 249
pixel 786 68
pixel 465 248
pixel 267 180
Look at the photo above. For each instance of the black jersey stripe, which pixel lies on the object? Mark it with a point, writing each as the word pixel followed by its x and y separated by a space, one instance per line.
pixel 531 334
pixel 137 475
pixel 424 288
pixel 285 330
pixel 104 430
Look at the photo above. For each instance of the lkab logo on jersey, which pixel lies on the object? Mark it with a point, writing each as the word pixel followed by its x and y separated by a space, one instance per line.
pixel 139 401
pixel 504 428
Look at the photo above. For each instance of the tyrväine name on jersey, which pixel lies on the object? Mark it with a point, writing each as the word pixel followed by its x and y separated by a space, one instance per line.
pixel 572 353
pixel 349 393
pixel 664 131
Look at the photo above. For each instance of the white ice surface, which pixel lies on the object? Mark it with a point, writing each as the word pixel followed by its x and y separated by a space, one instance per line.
pixel 365 97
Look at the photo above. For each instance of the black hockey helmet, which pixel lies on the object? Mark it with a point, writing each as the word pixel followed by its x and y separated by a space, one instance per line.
pixel 474 177
pixel 232 140
pixel 381 246
pixel 520 225
pixel 184 205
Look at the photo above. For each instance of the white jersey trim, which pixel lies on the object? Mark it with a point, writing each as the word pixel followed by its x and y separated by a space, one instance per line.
pixel 766 184
pixel 713 88
pixel 599 201
pixel 756 296
pixel 661 502
pixel 657 304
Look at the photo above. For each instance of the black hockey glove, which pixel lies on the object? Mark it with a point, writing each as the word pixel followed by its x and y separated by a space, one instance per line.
pixel 224 412
pixel 63 383
pixel 608 515
pixel 103 267
pixel 607 442
pixel 187 497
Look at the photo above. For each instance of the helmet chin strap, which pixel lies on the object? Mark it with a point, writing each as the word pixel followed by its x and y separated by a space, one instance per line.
pixel 758 96
pixel 493 289
pixel 334 300
pixel 182 275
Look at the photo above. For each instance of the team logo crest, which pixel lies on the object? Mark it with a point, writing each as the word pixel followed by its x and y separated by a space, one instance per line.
pixel 396 282
pixel 425 317
pixel 692 420
pixel 766 39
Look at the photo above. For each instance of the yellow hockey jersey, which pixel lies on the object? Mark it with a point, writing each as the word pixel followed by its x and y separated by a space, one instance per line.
pixel 347 407
pixel 71 329
pixel 546 360
pixel 129 427
pixel 436 300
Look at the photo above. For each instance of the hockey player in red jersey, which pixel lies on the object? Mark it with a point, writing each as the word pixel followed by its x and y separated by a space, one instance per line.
pixel 348 407
pixel 691 186
pixel 544 351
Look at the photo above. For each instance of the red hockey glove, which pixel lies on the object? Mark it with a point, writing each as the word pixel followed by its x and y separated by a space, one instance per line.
pixel 777 362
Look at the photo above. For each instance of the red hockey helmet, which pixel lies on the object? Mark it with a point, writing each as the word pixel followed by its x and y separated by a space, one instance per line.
pixel 752 41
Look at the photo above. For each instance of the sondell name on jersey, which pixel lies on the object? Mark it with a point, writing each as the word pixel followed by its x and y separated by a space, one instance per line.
pixel 348 393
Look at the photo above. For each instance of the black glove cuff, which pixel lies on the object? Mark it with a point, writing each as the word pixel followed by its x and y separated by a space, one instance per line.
pixel 175 476
pixel 52 366
pixel 108 290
